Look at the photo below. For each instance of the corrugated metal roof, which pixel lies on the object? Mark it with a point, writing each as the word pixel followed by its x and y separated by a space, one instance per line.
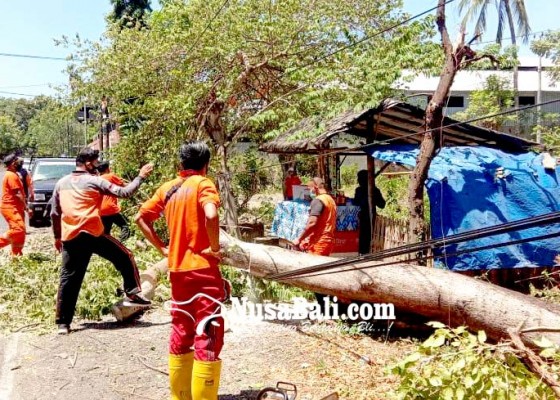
pixel 393 121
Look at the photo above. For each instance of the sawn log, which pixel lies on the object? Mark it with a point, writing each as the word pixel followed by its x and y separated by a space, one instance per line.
pixel 440 295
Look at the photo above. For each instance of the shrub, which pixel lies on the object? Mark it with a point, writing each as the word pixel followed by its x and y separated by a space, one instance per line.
pixel 455 364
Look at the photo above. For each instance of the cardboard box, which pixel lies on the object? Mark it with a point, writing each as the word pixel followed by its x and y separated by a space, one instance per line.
pixel 301 192
pixel 345 241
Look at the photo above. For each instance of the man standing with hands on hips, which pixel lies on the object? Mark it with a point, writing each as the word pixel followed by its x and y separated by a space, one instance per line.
pixel 190 205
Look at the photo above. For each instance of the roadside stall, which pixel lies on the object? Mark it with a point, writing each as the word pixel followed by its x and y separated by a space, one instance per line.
pixel 290 218
pixel 377 133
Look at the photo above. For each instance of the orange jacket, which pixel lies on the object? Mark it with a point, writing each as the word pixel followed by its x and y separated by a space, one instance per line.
pixel 11 185
pixel 76 201
pixel 323 231
pixel 110 204
pixel 182 202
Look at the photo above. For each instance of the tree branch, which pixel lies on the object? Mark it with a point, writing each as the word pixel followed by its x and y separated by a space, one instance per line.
pixel 534 362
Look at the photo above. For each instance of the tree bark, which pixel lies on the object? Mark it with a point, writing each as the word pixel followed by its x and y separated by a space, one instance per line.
pixel 433 122
pixel 441 295
pixel 511 24
pixel 229 203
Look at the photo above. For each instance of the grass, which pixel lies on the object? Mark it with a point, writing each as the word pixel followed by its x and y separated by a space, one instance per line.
pixel 29 285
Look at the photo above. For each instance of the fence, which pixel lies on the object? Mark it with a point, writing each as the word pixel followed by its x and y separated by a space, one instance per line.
pixel 389 233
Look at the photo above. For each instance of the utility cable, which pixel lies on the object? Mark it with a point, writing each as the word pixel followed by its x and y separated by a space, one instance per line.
pixel 24 86
pixel 19 94
pixel 386 141
pixel 195 43
pixel 36 57
pixel 521 224
pixel 368 37
pixel 428 257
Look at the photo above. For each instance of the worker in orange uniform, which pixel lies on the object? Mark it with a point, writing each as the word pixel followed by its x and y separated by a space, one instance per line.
pixel 13 207
pixel 26 180
pixel 318 235
pixel 78 233
pixel 110 210
pixel 291 180
pixel 189 204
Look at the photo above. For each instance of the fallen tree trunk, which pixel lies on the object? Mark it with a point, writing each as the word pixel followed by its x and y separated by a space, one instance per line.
pixel 440 295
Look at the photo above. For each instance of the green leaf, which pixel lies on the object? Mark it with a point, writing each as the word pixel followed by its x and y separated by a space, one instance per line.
pixel 481 337
pixel 412 358
pixel 447 394
pixel 436 324
pixel 549 352
pixel 435 381
pixel 434 341
pixel 543 342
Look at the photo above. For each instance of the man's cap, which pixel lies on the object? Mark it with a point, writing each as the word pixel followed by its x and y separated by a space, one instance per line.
pixel 103 166
pixel 9 159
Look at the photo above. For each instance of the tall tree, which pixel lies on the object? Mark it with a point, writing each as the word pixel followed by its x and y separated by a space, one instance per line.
pixel 247 68
pixel 130 13
pixel 456 58
pixel 55 131
pixel 9 135
pixel 507 11
pixel 548 45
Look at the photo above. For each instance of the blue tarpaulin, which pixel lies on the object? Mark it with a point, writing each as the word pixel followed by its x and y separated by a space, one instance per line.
pixel 476 187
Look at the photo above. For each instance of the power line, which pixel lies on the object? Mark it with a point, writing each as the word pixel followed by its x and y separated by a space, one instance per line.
pixel 19 94
pixel 36 57
pixel 516 36
pixel 435 256
pixel 522 224
pixel 24 86
pixel 366 38
pixel 207 26
pixel 385 30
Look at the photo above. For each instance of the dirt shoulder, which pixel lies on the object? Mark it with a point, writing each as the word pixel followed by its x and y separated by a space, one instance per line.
pixel 106 360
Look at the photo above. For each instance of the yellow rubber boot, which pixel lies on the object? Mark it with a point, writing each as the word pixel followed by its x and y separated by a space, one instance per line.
pixel 180 372
pixel 206 380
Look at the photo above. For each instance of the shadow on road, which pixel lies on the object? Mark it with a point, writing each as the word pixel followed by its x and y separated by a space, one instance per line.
pixel 113 325
pixel 243 395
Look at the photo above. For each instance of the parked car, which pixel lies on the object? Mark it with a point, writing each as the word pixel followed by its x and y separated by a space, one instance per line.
pixel 27 164
pixel 45 173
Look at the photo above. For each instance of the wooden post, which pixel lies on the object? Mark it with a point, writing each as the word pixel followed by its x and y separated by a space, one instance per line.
pixel 371 177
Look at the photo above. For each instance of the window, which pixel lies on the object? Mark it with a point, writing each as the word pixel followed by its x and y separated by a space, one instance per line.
pixel 526 100
pixel 456 101
pixel 453 101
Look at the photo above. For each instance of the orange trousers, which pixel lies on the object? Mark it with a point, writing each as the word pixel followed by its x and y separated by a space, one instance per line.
pixel 321 248
pixel 15 235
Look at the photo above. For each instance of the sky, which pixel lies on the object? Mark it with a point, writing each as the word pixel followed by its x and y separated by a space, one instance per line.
pixel 29 27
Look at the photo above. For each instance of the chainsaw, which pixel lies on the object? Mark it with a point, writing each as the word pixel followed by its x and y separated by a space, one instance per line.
pixel 285 391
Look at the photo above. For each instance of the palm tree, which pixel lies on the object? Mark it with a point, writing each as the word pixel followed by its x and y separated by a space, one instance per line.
pixel 507 10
